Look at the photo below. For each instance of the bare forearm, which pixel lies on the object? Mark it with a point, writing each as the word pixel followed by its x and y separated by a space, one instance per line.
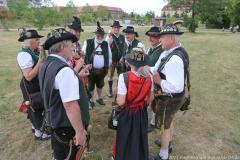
pixel 32 73
pixel 121 99
pixel 74 115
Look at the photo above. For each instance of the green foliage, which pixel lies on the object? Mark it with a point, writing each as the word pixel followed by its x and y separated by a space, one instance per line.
pixel 37 17
pixel 18 7
pixel 101 13
pixel 210 12
pixel 176 15
pixel 233 10
pixel 87 15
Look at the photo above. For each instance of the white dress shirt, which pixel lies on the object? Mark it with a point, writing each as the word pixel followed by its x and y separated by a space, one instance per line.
pixel 66 82
pixel 98 60
pixel 174 72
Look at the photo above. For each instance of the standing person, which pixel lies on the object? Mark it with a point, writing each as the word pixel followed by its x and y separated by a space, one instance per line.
pixel 154 53
pixel 76 29
pixel 133 98
pixel 170 79
pixel 130 43
pixel 77 61
pixel 98 53
pixel 67 113
pixel 29 63
pixel 116 42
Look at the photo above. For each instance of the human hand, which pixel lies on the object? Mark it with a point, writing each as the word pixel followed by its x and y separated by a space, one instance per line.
pixel 80 137
pixel 156 78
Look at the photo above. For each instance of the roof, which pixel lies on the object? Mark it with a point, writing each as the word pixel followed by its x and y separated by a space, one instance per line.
pixel 108 8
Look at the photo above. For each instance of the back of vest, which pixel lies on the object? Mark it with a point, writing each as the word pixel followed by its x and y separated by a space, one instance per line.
pixel 55 113
pixel 133 88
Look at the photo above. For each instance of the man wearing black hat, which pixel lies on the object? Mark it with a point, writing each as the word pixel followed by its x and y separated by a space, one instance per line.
pixel 116 42
pixel 130 43
pixel 66 108
pixel 98 53
pixel 153 52
pixel 29 63
pixel 172 69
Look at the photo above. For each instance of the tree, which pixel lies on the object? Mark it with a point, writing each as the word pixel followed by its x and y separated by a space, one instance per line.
pixel 189 5
pixel 176 15
pixel 164 14
pixel 4 16
pixel 210 12
pixel 18 7
pixel 149 16
pixel 67 12
pixel 101 12
pixel 87 14
pixel 233 10
pixel 38 17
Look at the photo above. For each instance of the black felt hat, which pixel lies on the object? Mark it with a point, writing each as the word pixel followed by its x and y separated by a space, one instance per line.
pixel 153 31
pixel 58 35
pixel 130 29
pixel 28 34
pixel 137 58
pixel 76 24
pixel 170 29
pixel 99 29
pixel 116 24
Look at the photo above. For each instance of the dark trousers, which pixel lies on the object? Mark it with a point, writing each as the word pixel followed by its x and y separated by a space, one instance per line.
pixel 60 143
pixel 36 117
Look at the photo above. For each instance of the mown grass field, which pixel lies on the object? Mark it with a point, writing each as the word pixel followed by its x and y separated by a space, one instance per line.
pixel 210 128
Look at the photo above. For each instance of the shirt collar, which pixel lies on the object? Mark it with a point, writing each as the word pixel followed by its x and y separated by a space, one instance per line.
pixel 156 46
pixel 116 35
pixel 59 57
pixel 170 50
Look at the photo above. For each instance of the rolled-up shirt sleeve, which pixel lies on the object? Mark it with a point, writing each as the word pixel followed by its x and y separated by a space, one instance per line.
pixel 68 85
pixel 25 60
pixel 109 55
pixel 122 89
pixel 174 71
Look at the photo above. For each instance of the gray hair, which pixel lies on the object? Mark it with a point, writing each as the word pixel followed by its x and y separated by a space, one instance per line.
pixel 177 39
pixel 27 43
pixel 54 49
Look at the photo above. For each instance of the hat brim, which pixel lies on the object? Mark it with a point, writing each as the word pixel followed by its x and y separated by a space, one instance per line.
pixel 116 26
pixel 136 63
pixel 154 34
pixel 126 31
pixel 21 39
pixel 102 33
pixel 52 40
pixel 76 28
pixel 177 33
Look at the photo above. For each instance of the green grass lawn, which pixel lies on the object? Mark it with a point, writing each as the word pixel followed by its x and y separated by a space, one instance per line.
pixel 210 128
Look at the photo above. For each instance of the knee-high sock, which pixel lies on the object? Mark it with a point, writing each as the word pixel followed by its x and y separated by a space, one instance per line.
pixel 110 83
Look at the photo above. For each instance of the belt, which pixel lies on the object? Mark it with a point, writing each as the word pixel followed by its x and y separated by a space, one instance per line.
pixel 170 95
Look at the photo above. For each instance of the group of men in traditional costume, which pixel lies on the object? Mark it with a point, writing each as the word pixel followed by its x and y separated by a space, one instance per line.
pixel 68 76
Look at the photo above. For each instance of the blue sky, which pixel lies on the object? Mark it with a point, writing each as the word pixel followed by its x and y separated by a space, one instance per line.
pixel 127 5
